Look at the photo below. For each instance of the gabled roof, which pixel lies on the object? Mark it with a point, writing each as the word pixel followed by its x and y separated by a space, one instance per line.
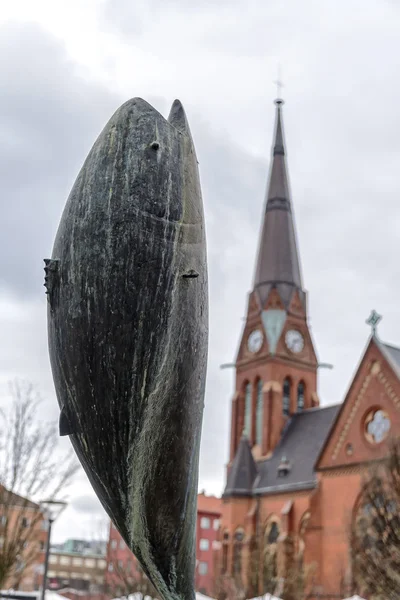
pixel 278 263
pixel 243 471
pixel 300 444
pixel 391 353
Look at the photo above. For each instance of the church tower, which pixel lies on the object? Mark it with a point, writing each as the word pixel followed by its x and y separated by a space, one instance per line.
pixel 276 365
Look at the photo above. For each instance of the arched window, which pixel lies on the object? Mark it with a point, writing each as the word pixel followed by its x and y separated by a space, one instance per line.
pixel 301 541
pixel 300 396
pixel 286 397
pixel 270 567
pixel 259 412
pixel 237 554
pixel 225 548
pixel 247 411
pixel 273 533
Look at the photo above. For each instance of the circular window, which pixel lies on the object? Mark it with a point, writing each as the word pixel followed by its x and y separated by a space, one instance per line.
pixel 377 426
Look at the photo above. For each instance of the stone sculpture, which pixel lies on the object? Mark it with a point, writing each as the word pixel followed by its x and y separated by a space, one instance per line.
pixel 127 328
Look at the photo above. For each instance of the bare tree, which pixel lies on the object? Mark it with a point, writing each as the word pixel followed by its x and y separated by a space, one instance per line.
pixel 263 571
pixel 31 469
pixel 375 531
pixel 128 578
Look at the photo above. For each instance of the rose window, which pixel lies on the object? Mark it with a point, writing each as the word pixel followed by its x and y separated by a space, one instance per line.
pixel 377 426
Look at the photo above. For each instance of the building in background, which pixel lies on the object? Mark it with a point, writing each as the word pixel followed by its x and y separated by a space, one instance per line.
pixel 295 468
pixel 120 559
pixel 82 546
pixel 209 513
pixel 23 532
pixel 77 565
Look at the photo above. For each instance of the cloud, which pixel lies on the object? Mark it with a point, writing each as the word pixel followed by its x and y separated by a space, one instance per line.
pixel 87 504
pixel 48 118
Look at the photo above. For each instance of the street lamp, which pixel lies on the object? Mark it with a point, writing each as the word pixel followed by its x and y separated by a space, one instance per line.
pixel 52 509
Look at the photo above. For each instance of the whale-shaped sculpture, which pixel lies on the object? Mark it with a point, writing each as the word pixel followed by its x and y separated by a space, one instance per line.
pixel 128 328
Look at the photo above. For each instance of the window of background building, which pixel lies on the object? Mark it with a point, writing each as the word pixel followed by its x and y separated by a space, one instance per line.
pixel 203 568
pixel 25 522
pixel 205 523
pixel 65 560
pixel 300 396
pixel 114 544
pixel 3 520
pixel 247 411
pixel 51 574
pixel 41 545
pixel 77 562
pixel 63 574
pixel 90 562
pixel 121 544
pixel 286 397
pixel 216 524
pixel 259 412
pixel 75 575
pixel 110 568
pixel 204 544
pixel 53 559
pixel 120 564
pixel 101 563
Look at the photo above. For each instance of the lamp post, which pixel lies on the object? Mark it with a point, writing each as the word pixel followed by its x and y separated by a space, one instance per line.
pixel 52 509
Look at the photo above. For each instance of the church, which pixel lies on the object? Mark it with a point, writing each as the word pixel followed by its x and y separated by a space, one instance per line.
pixel 295 467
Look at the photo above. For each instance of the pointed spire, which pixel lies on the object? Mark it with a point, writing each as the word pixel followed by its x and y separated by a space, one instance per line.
pixel 278 263
pixel 243 471
pixel 279 146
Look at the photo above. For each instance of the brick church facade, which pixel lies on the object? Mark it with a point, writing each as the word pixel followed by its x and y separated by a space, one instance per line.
pixel 295 468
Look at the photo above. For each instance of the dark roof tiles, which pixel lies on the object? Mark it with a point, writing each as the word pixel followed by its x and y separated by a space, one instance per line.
pixel 243 472
pixel 300 444
pixel 302 440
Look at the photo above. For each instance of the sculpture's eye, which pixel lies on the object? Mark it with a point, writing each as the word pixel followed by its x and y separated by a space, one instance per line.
pixel 154 145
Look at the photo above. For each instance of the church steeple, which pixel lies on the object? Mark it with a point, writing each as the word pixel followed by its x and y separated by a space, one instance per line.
pixel 278 263
pixel 276 363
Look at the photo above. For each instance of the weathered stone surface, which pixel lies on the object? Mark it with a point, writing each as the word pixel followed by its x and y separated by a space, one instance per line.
pixel 127 324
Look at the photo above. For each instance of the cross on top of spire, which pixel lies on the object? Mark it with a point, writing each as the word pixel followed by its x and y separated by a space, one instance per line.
pixel 373 321
pixel 279 86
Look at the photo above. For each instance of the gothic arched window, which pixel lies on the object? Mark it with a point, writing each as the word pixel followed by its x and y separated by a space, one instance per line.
pixel 300 396
pixel 273 533
pixel 286 397
pixel 259 412
pixel 225 548
pixel 237 553
pixel 247 411
pixel 270 567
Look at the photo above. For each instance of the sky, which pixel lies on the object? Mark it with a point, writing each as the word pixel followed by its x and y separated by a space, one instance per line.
pixel 66 66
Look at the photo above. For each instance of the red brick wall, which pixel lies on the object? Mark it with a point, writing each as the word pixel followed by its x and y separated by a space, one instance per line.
pixel 374 386
pixel 272 370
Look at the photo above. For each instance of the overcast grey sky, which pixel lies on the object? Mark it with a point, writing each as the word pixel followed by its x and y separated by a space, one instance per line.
pixel 65 66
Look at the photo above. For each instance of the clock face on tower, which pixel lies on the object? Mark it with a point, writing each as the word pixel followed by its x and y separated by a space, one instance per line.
pixel 255 341
pixel 294 341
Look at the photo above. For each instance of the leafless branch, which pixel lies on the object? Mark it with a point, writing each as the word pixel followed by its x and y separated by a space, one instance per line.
pixel 31 469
